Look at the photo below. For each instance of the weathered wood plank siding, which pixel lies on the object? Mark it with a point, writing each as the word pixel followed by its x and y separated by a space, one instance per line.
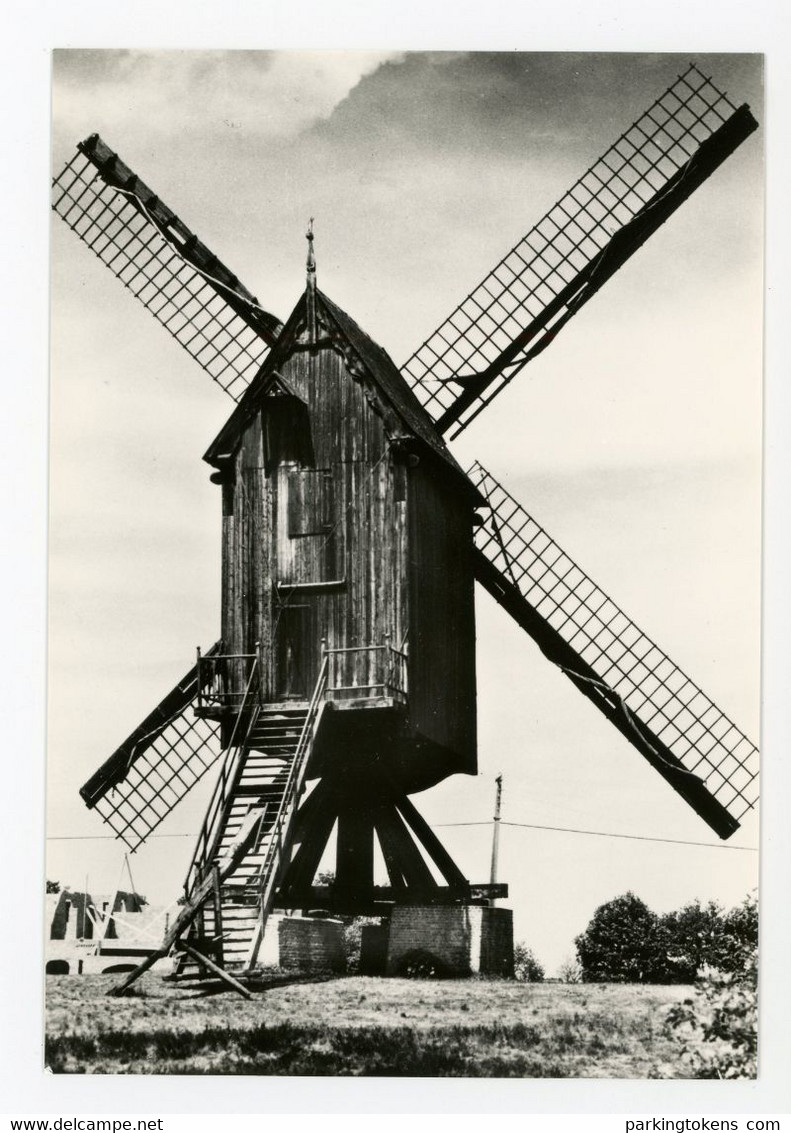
pixel 318 543
pixel 442 631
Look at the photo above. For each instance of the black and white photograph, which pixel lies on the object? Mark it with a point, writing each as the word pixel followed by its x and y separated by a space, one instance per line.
pixel 404 563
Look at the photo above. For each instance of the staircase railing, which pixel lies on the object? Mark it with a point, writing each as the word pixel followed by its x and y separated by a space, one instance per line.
pixel 368 670
pixel 222 680
pixel 212 824
pixel 281 833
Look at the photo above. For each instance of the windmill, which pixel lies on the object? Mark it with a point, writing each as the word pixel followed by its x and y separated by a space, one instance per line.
pixel 313 662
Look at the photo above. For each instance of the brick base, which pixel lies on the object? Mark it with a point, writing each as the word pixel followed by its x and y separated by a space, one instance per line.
pixel 458 940
pixel 312 944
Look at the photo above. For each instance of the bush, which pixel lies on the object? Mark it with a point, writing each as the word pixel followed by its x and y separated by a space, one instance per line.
pixel 626 942
pixel 623 943
pixel 526 967
pixel 704 936
pixel 741 929
pixel 696 938
pixel 352 933
pixel 717 1028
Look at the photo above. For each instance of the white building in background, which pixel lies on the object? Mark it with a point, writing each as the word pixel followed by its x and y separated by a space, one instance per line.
pixel 111 932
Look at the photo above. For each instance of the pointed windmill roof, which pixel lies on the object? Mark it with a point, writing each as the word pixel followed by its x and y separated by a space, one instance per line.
pixel 412 419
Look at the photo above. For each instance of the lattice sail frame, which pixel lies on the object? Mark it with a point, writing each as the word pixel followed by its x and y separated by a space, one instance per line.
pixel 206 309
pixel 549 271
pixel 656 694
pixel 170 767
pixel 156 766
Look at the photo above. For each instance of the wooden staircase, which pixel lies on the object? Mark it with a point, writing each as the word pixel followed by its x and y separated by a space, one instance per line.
pixel 231 928
pixel 245 842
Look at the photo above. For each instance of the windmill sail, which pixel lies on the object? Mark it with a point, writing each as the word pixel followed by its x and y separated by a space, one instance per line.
pixel 663 713
pixel 164 265
pixel 516 311
pixel 155 767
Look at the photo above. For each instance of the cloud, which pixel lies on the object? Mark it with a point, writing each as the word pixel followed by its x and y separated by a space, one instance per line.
pixel 268 94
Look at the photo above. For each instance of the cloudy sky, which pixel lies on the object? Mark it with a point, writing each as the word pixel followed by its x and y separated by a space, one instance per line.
pixel 635 439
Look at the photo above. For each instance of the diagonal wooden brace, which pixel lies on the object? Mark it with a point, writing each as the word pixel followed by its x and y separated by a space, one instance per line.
pixel 218 971
pixel 205 889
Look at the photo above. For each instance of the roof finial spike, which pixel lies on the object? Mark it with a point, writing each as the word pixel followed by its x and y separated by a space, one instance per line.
pixel 311 257
pixel 310 291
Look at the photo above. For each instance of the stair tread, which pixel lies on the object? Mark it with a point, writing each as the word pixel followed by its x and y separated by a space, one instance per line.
pixel 244 915
pixel 289 733
pixel 273 739
pixel 264 784
pixel 284 739
pixel 264 776
pixel 262 773
pixel 276 763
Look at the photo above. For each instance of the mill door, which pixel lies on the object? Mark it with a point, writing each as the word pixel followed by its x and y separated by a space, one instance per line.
pixel 309 548
pixel 294 649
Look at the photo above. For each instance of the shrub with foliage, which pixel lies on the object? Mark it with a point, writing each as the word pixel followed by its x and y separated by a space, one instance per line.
pixel 717 1027
pixel 526 967
pixel 741 928
pixel 624 943
pixel 352 933
pixel 696 938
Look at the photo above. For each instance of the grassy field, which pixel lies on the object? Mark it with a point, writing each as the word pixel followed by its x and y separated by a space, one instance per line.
pixel 363 1026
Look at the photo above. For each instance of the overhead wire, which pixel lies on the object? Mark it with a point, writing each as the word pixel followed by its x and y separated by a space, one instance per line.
pixel 481 822
pixel 605 834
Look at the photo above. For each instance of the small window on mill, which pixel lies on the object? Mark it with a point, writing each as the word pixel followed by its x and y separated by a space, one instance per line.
pixel 286 429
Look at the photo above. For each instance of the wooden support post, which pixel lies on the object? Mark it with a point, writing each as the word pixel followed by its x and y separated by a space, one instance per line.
pixel 444 862
pixel 309 810
pixel 355 856
pixel 200 924
pixel 390 854
pixel 410 861
pixel 299 875
pixel 205 962
pixel 139 970
pixel 217 896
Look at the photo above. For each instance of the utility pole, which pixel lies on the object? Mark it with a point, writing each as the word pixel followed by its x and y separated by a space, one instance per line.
pixel 496 832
